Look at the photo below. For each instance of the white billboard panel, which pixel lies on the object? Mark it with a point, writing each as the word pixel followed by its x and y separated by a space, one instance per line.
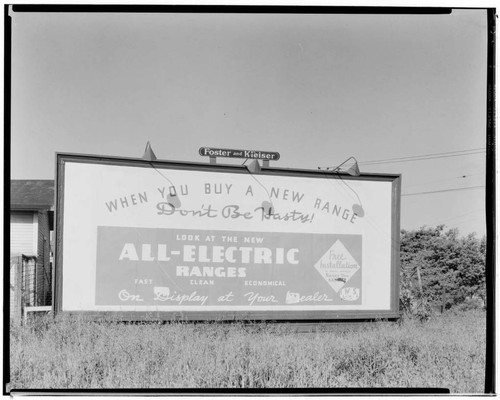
pixel 217 240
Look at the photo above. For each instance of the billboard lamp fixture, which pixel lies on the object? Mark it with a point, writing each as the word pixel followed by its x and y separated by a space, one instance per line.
pixel 267 208
pixel 352 170
pixel 253 167
pixel 172 197
pixel 149 153
pixel 173 200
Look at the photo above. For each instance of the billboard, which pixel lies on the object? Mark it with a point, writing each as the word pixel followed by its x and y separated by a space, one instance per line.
pixel 204 241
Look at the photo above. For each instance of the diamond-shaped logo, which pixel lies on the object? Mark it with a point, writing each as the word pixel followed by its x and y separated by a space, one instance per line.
pixel 337 266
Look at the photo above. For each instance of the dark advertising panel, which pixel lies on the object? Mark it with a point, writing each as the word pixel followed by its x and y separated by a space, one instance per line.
pixel 191 268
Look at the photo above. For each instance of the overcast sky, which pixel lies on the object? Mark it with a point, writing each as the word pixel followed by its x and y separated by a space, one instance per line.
pixel 315 88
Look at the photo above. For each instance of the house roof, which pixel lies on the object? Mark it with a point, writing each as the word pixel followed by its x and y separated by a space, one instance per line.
pixel 32 194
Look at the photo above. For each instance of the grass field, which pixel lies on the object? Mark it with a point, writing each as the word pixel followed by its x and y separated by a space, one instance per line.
pixel 446 352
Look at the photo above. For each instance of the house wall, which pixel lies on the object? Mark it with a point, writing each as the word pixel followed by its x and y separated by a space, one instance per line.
pixel 23 233
pixel 30 235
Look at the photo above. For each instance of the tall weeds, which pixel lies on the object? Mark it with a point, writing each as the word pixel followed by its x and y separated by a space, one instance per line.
pixel 66 353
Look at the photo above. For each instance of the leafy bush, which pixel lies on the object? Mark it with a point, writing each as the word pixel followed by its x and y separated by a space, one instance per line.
pixel 471 304
pixel 440 269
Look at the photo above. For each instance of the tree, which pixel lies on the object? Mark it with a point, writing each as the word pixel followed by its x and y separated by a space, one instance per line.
pixel 441 268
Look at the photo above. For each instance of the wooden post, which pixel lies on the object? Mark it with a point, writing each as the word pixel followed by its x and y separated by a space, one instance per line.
pixel 419 279
pixel 16 276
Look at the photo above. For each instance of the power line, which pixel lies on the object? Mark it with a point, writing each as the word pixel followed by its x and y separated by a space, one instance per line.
pixel 444 190
pixel 442 221
pixel 423 158
pixel 446 179
pixel 426 156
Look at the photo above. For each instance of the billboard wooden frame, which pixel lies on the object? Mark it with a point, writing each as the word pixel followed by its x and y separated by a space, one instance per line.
pixel 293 315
